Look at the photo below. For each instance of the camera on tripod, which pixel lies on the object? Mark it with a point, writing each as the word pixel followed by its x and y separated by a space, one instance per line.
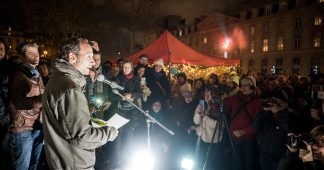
pixel 298 141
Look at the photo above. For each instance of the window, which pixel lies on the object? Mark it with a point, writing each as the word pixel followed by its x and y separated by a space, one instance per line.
pixel 252 31
pixel 279 62
pixel 318 20
pixel 283 7
pixel 243 16
pixel 297 22
pixel 252 46
pixel 267 11
pixel 265 47
pixel 296 61
pixel 281 27
pixel 299 3
pixel 205 40
pixel 280 44
pixel 297 41
pixel 264 63
pixel 266 29
pixel 317 42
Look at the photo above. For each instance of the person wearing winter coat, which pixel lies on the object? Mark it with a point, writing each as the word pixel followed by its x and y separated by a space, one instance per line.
pixel 241 110
pixel 209 121
pixel 26 88
pixel 158 83
pixel 70 138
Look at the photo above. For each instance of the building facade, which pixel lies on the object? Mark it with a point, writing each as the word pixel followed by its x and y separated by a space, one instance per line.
pixel 270 37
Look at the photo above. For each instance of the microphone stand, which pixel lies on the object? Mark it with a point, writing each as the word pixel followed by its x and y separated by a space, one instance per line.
pixel 149 118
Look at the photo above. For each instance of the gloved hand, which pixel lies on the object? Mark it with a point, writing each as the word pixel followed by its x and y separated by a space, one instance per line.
pixel 113 133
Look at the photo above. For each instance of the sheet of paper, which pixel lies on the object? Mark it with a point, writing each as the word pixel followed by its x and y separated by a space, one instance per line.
pixel 117 121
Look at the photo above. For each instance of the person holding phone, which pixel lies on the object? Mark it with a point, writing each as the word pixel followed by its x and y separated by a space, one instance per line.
pixel 205 118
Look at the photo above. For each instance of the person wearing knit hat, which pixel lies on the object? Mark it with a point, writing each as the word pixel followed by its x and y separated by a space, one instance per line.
pixel 250 80
pixel 232 73
pixel 235 79
pixel 243 108
pixel 232 83
pixel 159 62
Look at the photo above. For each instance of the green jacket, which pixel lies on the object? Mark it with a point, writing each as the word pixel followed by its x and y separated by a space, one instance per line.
pixel 70 140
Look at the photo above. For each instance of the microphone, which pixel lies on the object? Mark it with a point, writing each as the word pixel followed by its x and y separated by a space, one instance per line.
pixel 112 84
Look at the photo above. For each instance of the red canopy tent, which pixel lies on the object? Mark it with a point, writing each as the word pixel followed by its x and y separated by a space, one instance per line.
pixel 174 51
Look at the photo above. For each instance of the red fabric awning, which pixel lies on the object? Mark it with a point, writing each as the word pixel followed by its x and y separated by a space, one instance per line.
pixel 173 50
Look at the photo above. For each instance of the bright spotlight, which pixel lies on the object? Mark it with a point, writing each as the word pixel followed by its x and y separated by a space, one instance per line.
pixel 187 164
pixel 99 101
pixel 141 161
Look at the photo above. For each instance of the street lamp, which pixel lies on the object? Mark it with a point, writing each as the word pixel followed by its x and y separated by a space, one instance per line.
pixel 225 46
pixel 45 53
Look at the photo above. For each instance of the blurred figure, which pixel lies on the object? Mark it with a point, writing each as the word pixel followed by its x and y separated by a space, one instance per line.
pixel 146 92
pixel 212 80
pixel 4 105
pixel 142 62
pixel 273 125
pixel 184 125
pixel 101 91
pixel 199 89
pixel 26 89
pixel 44 72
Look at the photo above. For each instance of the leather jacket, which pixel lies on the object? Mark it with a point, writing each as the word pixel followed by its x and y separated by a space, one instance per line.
pixel 26 96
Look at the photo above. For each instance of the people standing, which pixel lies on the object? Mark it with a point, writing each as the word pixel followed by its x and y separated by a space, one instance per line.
pixel 242 110
pixel 26 89
pixel 158 83
pixel 70 139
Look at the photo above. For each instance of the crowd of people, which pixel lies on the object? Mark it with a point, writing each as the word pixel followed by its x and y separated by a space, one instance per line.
pixel 233 121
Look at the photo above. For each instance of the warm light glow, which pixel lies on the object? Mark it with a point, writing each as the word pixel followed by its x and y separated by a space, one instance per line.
pixel 45 53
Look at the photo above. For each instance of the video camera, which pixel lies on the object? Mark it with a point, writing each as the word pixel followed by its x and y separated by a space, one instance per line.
pixel 298 141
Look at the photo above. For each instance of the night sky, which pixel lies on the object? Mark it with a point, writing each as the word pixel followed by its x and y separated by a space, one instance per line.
pixel 11 14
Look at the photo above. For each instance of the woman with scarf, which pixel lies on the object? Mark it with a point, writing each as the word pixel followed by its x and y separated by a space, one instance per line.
pixel 132 91
pixel 158 83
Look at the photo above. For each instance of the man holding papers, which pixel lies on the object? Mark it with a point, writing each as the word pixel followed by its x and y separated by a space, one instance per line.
pixel 70 140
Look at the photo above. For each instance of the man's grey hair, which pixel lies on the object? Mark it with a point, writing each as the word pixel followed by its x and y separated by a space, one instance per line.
pixel 72 46
pixel 21 49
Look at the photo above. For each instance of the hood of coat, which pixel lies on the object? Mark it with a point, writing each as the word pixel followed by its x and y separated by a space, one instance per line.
pixel 61 67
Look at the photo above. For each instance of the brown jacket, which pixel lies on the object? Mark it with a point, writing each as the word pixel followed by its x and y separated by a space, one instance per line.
pixel 26 97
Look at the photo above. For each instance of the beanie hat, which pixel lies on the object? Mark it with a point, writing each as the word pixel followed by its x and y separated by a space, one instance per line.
pixel 233 73
pixel 159 62
pixel 251 80
pixel 235 79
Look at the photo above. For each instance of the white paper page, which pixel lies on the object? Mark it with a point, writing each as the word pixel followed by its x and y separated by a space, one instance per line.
pixel 117 121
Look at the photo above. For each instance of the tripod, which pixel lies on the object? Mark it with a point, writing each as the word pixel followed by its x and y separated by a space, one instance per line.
pixel 220 119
